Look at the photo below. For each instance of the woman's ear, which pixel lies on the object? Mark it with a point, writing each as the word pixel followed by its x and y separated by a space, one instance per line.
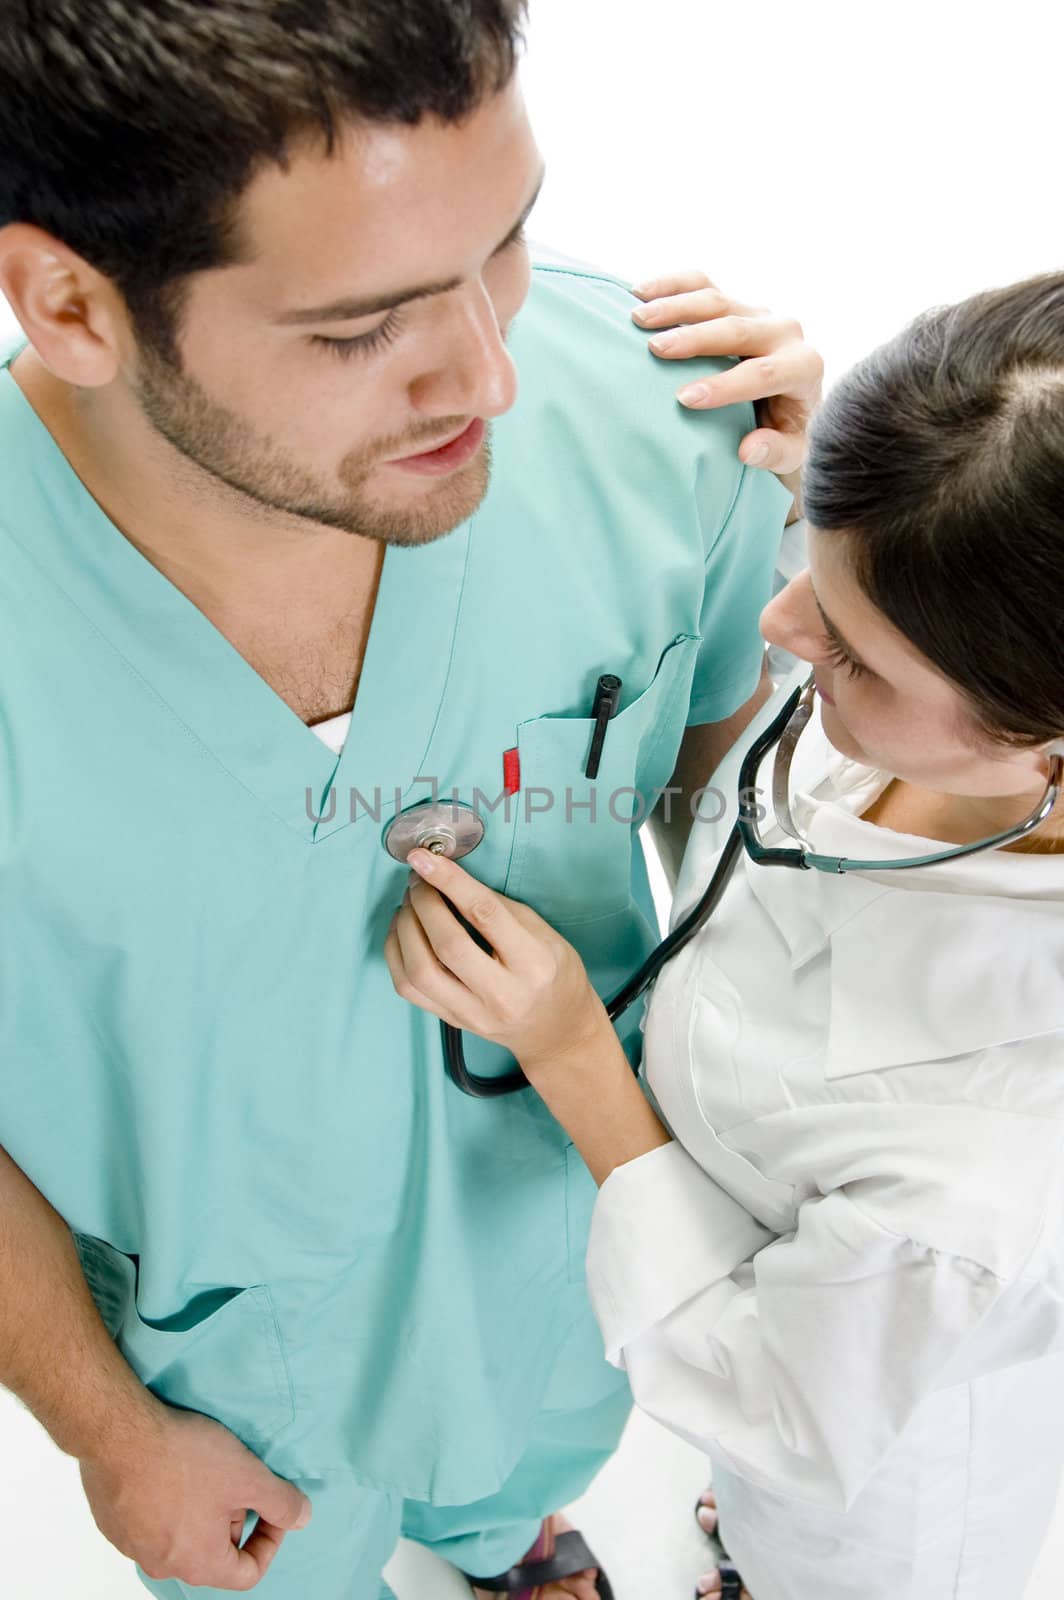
pixel 70 313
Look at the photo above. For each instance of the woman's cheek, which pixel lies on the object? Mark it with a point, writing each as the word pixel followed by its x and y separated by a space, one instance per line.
pixel 863 724
pixel 839 733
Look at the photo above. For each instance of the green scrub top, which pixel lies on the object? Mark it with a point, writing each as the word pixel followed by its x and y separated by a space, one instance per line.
pixel 289 1217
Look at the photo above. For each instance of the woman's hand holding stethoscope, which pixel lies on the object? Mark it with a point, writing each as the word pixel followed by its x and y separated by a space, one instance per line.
pixel 532 996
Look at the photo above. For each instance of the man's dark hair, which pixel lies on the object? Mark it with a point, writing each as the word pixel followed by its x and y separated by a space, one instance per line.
pixel 941 459
pixel 129 128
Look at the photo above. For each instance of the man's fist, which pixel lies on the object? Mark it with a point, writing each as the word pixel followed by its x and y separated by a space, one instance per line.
pixel 172 1492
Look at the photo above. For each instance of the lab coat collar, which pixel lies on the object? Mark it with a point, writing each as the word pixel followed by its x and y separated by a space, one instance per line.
pixel 933 1001
pixel 929 999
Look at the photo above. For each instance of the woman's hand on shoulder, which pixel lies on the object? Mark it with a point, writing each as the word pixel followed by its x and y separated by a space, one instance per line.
pixel 778 370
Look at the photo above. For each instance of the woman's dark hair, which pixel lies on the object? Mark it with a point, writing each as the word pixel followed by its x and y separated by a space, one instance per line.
pixel 941 459
pixel 129 128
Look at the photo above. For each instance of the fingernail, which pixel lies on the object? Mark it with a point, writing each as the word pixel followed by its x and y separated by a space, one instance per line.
pixel 423 862
pixel 662 343
pixel 649 313
pixel 703 1585
pixel 644 288
pixel 694 395
pixel 305 1515
pixel 707 1518
pixel 758 457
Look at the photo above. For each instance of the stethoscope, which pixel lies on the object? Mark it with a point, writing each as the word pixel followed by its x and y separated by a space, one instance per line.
pixel 454 829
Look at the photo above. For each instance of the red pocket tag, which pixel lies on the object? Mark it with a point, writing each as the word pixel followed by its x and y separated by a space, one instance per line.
pixel 511 771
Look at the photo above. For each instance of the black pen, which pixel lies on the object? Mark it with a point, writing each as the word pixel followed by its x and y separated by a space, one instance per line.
pixel 607 697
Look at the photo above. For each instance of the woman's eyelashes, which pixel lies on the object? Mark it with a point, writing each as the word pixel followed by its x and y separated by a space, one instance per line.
pixel 365 344
pixel 844 662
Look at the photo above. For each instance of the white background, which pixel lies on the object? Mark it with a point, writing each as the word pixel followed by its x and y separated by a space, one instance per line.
pixel 844 162
pixel 847 162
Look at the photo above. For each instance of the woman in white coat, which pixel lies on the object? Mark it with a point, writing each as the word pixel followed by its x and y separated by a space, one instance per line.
pixel 832 1252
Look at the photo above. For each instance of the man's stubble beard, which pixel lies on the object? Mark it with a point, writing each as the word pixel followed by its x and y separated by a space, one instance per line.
pixel 226 452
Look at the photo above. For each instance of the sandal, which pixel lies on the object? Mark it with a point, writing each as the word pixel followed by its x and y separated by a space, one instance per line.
pixel 553 1556
pixel 731 1584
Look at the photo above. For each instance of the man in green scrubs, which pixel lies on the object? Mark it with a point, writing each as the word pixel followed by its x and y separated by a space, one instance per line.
pixel 257 596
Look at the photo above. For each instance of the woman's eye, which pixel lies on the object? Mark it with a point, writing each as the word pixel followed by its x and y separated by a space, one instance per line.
pixel 365 343
pixel 838 658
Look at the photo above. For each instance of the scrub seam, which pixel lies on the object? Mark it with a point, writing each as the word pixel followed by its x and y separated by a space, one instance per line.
pixel 742 479
pixel 282 1376
pixel 588 275
pixel 671 698
pixel 454 646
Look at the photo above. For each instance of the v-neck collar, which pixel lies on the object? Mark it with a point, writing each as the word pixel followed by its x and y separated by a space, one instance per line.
pixel 194 672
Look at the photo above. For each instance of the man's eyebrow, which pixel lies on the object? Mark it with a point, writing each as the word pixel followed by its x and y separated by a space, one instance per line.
pixel 834 635
pixel 351 309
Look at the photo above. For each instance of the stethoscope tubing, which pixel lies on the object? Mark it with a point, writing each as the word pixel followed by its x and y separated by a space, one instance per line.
pixel 481 1088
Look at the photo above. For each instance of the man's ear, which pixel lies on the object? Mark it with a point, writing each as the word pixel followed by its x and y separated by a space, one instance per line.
pixel 72 315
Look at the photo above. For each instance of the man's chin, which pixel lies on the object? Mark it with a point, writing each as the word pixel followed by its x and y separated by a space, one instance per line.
pixel 433 513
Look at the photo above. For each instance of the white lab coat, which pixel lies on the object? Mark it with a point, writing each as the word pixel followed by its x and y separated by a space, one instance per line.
pixel 845 1279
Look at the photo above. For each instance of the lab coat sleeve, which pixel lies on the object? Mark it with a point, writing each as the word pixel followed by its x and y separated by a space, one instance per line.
pixel 659 1227
pixel 740 562
pixel 800 1367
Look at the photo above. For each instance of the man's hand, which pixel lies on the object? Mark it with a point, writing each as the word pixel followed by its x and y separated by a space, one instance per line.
pixel 173 1495
pixel 778 370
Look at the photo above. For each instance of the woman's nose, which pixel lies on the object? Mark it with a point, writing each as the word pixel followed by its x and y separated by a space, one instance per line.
pixel 789 621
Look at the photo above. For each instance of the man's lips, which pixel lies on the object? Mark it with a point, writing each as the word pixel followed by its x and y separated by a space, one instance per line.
pixel 455 452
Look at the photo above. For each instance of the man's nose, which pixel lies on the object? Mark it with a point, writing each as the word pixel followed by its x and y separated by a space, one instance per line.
pixel 473 374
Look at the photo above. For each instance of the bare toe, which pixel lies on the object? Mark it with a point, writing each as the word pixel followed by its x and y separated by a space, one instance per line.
pixel 581 1586
pixel 709 1583
pixel 707 1518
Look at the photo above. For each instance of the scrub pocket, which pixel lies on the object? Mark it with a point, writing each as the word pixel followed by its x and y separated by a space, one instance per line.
pixel 221 1355
pixel 572 848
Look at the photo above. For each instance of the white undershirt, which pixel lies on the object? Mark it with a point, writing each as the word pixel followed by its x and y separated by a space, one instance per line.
pixel 333 731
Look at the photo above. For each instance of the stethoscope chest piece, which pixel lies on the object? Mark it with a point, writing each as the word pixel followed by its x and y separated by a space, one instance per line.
pixel 445 827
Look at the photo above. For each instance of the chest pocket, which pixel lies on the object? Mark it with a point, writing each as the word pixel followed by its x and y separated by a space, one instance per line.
pixel 572 847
